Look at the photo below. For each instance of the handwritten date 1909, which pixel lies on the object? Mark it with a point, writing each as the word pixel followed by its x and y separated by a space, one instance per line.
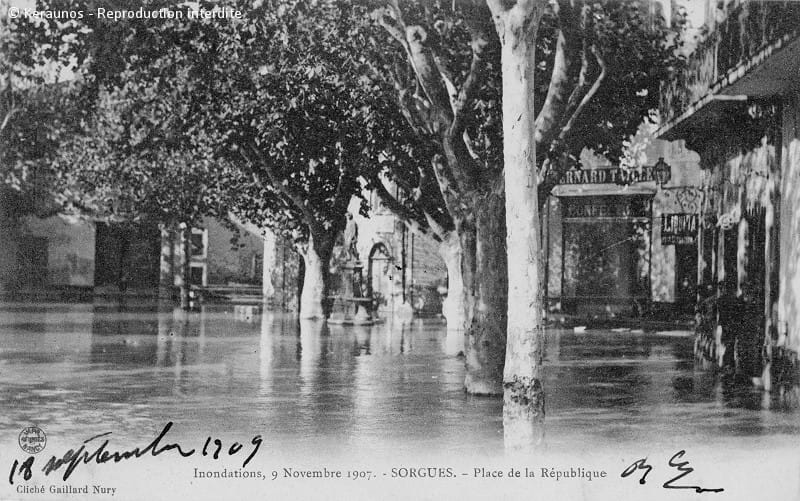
pixel 74 457
pixel 682 467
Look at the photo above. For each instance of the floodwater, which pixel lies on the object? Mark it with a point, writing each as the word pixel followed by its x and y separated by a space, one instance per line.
pixel 80 369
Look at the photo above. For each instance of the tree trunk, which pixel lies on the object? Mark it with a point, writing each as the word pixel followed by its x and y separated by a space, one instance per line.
pixel 316 258
pixel 523 402
pixel 166 263
pixel 186 261
pixel 454 307
pixel 486 336
pixel 267 265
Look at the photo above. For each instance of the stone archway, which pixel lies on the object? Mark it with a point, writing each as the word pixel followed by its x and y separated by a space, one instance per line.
pixel 381 276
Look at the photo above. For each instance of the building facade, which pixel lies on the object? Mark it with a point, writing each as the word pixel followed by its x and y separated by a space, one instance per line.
pixel 70 257
pixel 400 267
pixel 219 255
pixel 737 104
pixel 620 240
pixel 54 255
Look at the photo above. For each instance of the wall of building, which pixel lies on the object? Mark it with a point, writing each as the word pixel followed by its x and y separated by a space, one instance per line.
pixel 749 310
pixel 233 262
pixel 220 255
pixel 414 274
pixel 552 250
pixel 40 253
pixel 789 295
pixel 70 252
pixel 429 275
pixel 739 268
pixel 682 195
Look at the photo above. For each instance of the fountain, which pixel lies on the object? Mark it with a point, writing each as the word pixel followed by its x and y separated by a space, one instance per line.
pixel 353 304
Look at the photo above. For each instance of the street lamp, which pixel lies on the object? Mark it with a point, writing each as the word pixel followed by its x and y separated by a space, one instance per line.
pixel 662 172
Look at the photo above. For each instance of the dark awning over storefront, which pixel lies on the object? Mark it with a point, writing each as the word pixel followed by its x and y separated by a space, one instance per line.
pixel 772 71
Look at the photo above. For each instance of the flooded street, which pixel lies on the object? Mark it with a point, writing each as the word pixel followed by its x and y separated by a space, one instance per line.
pixel 379 390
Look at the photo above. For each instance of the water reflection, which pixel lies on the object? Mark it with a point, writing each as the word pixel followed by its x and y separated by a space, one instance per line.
pixel 307 386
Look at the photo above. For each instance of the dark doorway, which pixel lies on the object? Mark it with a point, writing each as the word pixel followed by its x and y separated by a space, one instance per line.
pixel 685 276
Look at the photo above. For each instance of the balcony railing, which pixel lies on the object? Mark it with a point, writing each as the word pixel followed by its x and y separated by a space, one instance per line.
pixel 748 28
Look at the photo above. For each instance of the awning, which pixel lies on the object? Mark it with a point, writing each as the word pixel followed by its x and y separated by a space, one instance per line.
pixel 773 71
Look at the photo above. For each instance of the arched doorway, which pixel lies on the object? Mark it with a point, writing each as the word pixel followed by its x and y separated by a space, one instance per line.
pixel 380 270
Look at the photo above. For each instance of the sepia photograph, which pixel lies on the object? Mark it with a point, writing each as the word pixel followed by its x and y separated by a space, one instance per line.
pixel 399 249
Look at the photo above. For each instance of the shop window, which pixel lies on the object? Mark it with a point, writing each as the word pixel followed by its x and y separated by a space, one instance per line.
pixel 199 243
pixel 197 274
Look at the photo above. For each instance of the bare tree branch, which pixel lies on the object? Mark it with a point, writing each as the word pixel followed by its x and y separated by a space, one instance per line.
pixel 470 175
pixel 558 155
pixel 412 222
pixel 476 75
pixel 439 231
pixel 447 186
pixel 12 104
pixel 7 118
pixel 422 60
pixel 565 69
pixel 396 31
pixel 588 96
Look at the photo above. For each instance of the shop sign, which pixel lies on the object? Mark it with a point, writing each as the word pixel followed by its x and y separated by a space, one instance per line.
pixel 660 173
pixel 606 207
pixel 678 229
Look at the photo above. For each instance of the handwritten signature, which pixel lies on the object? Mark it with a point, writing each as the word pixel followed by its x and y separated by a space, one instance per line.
pixel 75 457
pixel 682 467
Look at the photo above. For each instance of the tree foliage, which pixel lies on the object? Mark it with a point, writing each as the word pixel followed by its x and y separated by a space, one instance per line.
pixel 198 116
pixel 599 65
pixel 37 114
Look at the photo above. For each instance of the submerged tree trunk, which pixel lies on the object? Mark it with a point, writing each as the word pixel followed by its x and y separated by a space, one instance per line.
pixel 486 335
pixel 166 263
pixel 523 402
pixel 186 262
pixel 316 258
pixel 432 103
pixel 267 266
pixel 454 307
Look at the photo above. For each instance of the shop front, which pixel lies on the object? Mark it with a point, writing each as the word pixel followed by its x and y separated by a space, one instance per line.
pixel 605 263
pixel 622 241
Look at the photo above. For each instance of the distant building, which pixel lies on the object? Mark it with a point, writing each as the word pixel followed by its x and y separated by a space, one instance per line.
pixel 400 267
pixel 63 256
pixel 220 255
pixel 53 255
